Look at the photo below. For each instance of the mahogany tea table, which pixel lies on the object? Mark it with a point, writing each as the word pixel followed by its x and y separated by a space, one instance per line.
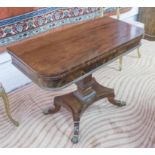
pixel 58 59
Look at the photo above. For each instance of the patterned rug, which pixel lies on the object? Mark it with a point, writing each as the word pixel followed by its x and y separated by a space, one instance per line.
pixel 33 23
pixel 103 124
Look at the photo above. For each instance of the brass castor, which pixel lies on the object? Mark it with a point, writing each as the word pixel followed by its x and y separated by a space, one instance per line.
pixel 75 139
pixel 120 103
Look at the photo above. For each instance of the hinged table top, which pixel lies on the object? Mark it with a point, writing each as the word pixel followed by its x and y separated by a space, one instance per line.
pixel 59 54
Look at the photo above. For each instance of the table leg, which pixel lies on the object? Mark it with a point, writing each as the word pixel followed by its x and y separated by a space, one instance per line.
pixel 7 108
pixel 88 91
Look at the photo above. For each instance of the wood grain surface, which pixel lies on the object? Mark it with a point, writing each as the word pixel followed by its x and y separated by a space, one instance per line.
pixel 58 58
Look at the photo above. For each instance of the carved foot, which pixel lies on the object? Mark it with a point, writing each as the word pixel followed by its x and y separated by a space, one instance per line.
pixel 52 110
pixel 117 102
pixel 75 138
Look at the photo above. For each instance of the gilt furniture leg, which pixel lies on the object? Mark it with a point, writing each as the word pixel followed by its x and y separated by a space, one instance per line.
pixel 7 109
pixel 120 63
pixel 121 59
pixel 76 119
pixel 138 52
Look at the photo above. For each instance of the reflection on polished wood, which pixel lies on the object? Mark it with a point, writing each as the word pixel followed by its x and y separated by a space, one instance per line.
pixel 57 59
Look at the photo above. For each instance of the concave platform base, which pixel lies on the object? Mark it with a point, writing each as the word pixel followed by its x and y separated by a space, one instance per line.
pixel 78 101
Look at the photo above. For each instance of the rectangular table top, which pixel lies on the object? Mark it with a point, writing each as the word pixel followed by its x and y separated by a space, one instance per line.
pixel 57 58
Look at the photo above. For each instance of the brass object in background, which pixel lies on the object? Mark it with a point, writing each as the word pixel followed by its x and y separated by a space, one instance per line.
pixel 138 52
pixel 120 58
pixel 6 104
pixel 118 12
pixel 101 11
pixel 120 63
